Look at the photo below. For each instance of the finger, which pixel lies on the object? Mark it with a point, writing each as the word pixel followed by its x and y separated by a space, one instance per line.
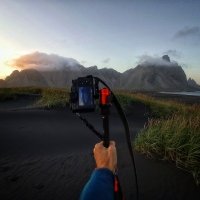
pixel 112 143
pixel 97 145
pixel 112 149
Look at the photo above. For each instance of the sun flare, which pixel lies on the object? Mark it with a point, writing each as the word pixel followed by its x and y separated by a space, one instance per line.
pixel 6 55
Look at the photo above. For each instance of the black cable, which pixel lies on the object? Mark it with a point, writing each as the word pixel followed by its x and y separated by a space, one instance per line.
pixel 90 126
pixel 127 131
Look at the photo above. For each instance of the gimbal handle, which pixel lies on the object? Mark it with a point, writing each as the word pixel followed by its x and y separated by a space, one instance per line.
pixel 105 103
pixel 105 110
pixel 106 138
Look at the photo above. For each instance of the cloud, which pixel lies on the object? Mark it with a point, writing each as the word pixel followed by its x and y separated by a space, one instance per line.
pixel 83 62
pixel 147 60
pixel 174 53
pixel 188 32
pixel 42 61
pixel 183 65
pixel 105 61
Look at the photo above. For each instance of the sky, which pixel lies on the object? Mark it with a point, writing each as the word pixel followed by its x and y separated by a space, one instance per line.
pixel 107 33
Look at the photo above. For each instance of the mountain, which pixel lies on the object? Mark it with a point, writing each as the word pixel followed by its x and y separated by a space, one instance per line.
pixel 2 83
pixel 150 75
pixel 192 83
pixel 110 76
pixel 60 78
pixel 27 77
pixel 155 78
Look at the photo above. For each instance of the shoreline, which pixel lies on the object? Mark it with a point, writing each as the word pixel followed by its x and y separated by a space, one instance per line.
pixel 187 99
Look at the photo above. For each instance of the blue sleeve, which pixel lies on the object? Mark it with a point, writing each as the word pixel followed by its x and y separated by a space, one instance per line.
pixel 100 186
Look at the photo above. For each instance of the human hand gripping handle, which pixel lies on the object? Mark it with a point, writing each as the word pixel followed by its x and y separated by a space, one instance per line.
pixel 106 157
pixel 101 183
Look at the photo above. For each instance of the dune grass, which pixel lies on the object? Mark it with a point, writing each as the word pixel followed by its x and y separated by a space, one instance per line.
pixel 53 98
pixel 175 139
pixel 13 93
pixel 158 108
pixel 47 97
pixel 172 133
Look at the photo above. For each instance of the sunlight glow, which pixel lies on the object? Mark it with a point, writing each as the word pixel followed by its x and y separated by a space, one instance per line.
pixel 7 53
pixel 5 56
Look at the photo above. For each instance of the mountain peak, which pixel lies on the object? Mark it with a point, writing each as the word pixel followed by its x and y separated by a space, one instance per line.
pixel 192 83
pixel 166 58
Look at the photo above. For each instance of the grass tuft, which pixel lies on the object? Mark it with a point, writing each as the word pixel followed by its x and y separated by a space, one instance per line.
pixel 53 98
pixel 172 132
pixel 14 93
pixel 176 138
pixel 48 97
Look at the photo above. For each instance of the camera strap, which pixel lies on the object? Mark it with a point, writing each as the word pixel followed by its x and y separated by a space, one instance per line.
pixel 90 126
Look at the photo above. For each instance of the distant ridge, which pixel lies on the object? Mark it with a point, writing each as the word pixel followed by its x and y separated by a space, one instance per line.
pixel 163 75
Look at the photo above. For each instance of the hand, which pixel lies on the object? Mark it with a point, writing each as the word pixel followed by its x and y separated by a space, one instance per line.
pixel 106 157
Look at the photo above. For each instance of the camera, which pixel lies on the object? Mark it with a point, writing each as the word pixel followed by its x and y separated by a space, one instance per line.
pixel 84 91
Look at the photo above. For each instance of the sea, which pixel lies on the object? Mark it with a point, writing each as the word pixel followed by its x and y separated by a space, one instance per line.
pixel 196 93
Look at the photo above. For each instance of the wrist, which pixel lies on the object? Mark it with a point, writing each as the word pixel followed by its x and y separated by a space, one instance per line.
pixel 105 168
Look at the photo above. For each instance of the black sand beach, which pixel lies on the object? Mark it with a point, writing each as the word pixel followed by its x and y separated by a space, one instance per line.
pixel 47 154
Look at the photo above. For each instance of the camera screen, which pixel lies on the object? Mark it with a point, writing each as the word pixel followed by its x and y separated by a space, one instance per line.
pixel 85 96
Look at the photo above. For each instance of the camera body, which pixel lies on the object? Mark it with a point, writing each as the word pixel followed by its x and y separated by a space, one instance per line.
pixel 84 91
